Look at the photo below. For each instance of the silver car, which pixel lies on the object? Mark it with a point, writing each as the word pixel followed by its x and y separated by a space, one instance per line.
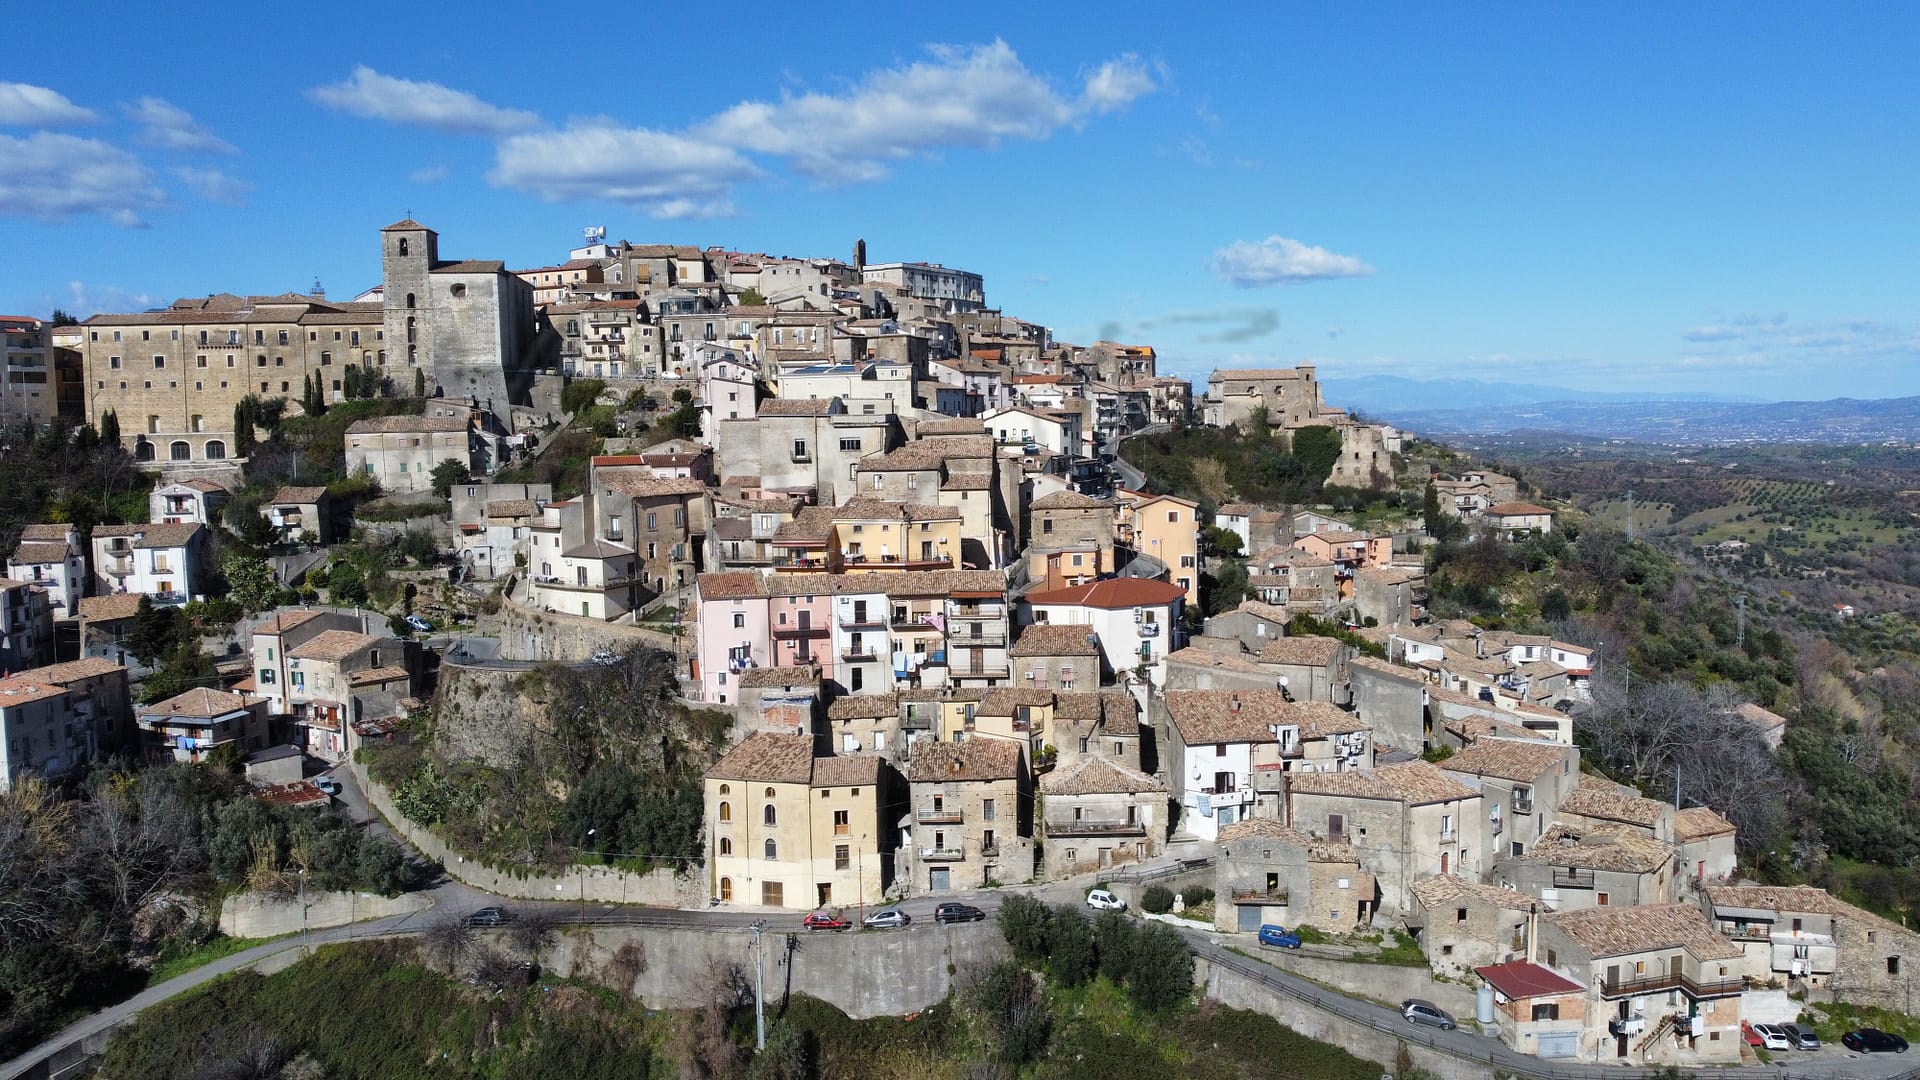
pixel 1420 1011
pixel 887 919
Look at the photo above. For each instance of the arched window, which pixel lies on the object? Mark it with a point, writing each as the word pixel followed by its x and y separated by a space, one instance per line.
pixel 182 451
pixel 726 811
pixel 767 816
pixel 459 292
pixel 142 450
pixel 726 845
pixel 726 789
pixel 772 850
pixel 409 300
pixel 216 450
pixel 769 793
pixel 726 889
pixel 403 251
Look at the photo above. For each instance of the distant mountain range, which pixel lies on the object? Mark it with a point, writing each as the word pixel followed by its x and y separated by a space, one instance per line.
pixel 1384 393
pixel 1693 423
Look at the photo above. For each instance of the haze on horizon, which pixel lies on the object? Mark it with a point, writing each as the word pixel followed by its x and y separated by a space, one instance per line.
pixel 1687 200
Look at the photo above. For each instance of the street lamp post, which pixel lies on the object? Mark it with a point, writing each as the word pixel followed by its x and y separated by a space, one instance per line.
pixel 759 985
pixel 583 882
pixel 861 870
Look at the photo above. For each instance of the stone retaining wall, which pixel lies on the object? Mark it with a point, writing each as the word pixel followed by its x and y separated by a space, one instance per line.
pixel 595 884
pixel 252 915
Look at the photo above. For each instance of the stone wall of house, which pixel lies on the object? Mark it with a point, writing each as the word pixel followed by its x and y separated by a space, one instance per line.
pixel 526 634
pixel 484 714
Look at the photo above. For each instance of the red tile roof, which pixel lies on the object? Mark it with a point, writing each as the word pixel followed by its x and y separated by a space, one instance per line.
pixel 1113 593
pixel 1520 979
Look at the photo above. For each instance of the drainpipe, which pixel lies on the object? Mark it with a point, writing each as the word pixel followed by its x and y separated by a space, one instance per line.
pixel 1533 926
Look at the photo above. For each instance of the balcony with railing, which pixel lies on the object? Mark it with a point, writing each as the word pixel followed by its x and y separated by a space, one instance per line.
pixel 985 670
pixel 939 815
pixel 1572 877
pixel 925 561
pixel 619 581
pixel 1096 828
pixel 859 654
pixel 800 564
pixel 1261 896
pixel 799 630
pixel 1449 836
pixel 917 722
pixel 915 622
pixel 933 854
pixel 861 620
pixel 1522 804
pixel 1697 988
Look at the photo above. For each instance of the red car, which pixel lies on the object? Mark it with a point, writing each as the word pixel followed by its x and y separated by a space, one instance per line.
pixel 820 920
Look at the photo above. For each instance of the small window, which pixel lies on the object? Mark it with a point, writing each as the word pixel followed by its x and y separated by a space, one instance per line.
pixel 1893 965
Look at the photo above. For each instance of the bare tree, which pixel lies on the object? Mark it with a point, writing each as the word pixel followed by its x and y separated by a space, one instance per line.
pixel 450 939
pixel 535 931
pixel 495 969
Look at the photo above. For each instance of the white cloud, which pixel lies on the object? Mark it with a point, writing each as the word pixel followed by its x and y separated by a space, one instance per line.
pixel 1230 325
pixel 1747 341
pixel 36 106
pixel 668 175
pixel 960 97
pixel 84 300
pixel 1117 83
pixel 374 96
pixel 170 127
pixel 52 176
pixel 432 174
pixel 1278 260
pixel 214 185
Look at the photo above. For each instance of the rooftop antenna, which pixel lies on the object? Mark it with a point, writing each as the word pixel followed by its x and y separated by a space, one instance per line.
pixel 595 233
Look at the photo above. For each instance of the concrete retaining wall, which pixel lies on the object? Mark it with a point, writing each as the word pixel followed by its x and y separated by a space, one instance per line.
pixel 597 884
pixel 864 973
pixel 251 915
pixel 1231 988
pixel 1390 983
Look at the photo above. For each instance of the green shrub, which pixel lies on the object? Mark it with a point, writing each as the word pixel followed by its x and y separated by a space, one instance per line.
pixel 1156 899
pixel 1026 923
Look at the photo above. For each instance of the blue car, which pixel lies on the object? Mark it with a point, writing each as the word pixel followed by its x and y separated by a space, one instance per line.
pixel 1279 937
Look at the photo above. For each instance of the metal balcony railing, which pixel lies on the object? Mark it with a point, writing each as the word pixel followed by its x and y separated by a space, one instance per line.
pixel 946 815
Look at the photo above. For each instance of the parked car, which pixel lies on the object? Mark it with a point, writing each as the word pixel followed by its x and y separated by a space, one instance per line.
pixel 820 920
pixel 1105 900
pixel 1279 937
pixel 419 623
pixel 1771 1037
pixel 954 912
pixel 327 784
pixel 605 658
pixel 1873 1041
pixel 1802 1038
pixel 1420 1011
pixel 491 916
pixel 888 918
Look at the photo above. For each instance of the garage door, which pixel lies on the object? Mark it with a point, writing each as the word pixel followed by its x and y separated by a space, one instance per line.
pixel 1249 916
pixel 1558 1044
pixel 937 879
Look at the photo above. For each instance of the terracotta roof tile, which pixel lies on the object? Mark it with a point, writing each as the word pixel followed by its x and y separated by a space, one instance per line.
pixel 1699 822
pixel 766 678
pixel 1054 639
pixel 864 707
pixel 1447 890
pixel 730 585
pixel 1508 759
pixel 1069 500
pixel 1412 782
pixel 199 703
pixel 288 496
pixel 109 608
pixel 972 760
pixel 1112 593
pixel 1622 931
pixel 1094 775
pixel 333 645
pixel 766 757
pixel 1615 848
pixel 848 771
pixel 1302 651
pixel 1596 798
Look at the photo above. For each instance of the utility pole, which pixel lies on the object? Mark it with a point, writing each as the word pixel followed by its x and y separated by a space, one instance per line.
pixel 1740 621
pixel 759 986
pixel 1629 514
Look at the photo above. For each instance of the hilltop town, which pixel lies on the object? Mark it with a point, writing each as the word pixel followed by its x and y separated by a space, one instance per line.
pixel 889 535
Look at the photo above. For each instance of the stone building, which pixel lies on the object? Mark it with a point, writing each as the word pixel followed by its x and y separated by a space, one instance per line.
pixel 26 625
pixel 1661 985
pixel 172 377
pixel 1407 821
pixel 1315 668
pixel 1574 867
pixel 401 452
pixel 1230 752
pixel 1267 872
pixel 1070 539
pixel 1521 783
pixel 1100 814
pixel 1538 1011
pixel 1393 701
pixel 196 499
pixel 469 325
pixel 1811 940
pixel 1707 846
pixel 1050 656
pixel 1463 924
pixel 1100 724
pixel 971 823
pixel 329 673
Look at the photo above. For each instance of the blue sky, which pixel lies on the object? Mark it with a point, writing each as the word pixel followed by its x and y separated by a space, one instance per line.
pixel 1714 198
